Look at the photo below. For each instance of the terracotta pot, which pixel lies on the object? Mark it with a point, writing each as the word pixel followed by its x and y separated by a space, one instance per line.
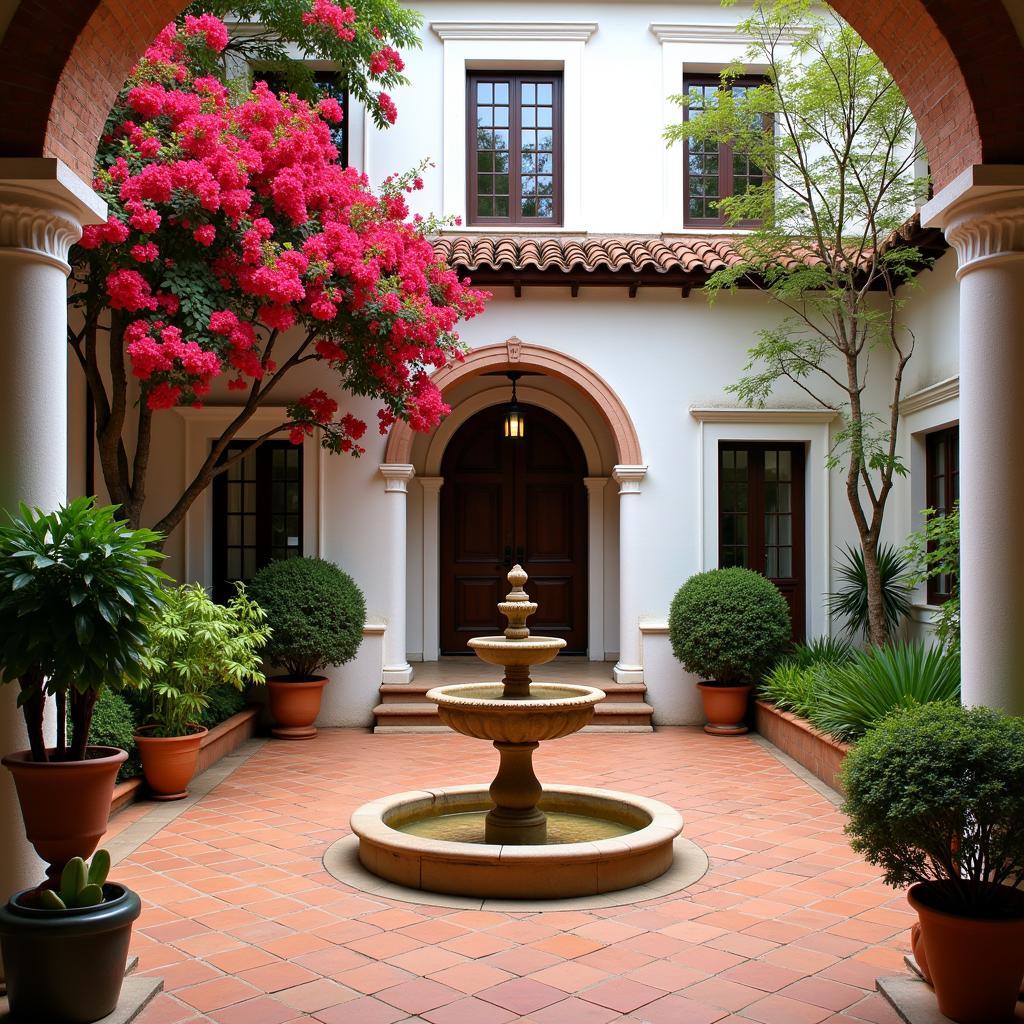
pixel 65 804
pixel 976 964
pixel 295 703
pixel 66 966
pixel 168 762
pixel 917 948
pixel 725 708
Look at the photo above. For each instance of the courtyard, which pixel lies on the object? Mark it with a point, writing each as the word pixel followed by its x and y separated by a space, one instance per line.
pixel 245 926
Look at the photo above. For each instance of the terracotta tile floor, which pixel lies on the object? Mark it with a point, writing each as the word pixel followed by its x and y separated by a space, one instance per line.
pixel 244 925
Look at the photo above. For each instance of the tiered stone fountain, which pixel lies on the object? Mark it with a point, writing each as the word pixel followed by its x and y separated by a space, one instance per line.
pixel 516 839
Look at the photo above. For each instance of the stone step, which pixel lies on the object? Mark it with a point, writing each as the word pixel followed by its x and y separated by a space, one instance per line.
pixel 422 717
pixel 414 692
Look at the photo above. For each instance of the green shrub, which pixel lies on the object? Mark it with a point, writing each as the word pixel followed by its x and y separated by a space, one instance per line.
pixel 195 645
pixel 728 625
pixel 935 551
pixel 850 602
pixel 113 725
pixel 854 696
pixel 791 687
pixel 936 793
pixel 222 703
pixel 316 611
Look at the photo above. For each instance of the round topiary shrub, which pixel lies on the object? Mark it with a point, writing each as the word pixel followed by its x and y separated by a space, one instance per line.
pixel 728 626
pixel 316 612
pixel 935 793
pixel 113 725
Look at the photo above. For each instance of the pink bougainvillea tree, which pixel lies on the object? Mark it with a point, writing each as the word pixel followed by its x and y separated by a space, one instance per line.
pixel 238 249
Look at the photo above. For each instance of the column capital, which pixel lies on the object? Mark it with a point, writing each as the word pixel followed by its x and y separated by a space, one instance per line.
pixel 982 214
pixel 43 208
pixel 431 484
pixel 628 478
pixel 397 476
pixel 595 485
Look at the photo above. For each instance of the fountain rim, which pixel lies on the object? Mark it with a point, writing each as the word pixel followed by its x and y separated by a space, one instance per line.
pixel 577 697
pixel 532 641
pixel 368 823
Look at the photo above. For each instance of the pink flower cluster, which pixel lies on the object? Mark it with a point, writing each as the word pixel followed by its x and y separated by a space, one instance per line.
pixel 386 59
pixel 272 235
pixel 387 107
pixel 331 16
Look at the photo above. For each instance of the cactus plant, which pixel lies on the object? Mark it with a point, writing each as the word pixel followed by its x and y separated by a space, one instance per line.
pixel 80 885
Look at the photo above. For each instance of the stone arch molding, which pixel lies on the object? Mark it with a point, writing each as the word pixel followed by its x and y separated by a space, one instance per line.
pixel 515 354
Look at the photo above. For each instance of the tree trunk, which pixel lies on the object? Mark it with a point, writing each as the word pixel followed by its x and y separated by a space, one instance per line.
pixel 878 630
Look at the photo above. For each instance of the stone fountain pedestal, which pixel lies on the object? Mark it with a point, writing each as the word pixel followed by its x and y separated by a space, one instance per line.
pixel 617 840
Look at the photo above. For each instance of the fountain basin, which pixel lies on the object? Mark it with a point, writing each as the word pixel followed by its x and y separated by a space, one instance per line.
pixel 551 871
pixel 552 710
pixel 530 650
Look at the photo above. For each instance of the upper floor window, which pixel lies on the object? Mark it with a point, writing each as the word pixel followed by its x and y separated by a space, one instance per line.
pixel 514 164
pixel 713 171
pixel 327 83
pixel 943 468
pixel 257 512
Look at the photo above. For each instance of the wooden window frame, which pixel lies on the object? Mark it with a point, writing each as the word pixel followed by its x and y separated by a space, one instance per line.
pixel 222 588
pixel 725 153
pixel 943 502
pixel 515 80
pixel 756 514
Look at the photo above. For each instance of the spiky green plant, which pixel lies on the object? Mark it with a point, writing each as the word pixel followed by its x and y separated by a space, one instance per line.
pixel 829 650
pixel 849 603
pixel 855 696
pixel 791 687
pixel 81 885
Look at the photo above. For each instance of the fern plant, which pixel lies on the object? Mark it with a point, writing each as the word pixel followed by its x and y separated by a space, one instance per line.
pixel 850 602
pixel 855 696
pixel 195 646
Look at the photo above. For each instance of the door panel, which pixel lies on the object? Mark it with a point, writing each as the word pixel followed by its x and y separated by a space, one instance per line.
pixel 506 501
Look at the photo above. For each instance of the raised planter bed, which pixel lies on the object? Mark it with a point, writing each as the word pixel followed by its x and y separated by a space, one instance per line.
pixel 220 741
pixel 817 752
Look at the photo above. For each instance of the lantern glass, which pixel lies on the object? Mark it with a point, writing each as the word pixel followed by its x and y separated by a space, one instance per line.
pixel 515 425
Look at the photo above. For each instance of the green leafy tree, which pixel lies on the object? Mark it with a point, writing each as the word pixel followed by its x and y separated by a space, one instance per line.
pixel 837 145
pixel 934 552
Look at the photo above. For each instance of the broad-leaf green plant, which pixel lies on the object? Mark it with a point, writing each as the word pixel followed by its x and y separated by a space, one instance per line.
pixel 936 794
pixel 853 697
pixel 77 589
pixel 851 601
pixel 195 646
pixel 317 612
pixel 836 143
pixel 728 626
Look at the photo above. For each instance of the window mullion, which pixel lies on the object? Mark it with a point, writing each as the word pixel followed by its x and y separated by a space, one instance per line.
pixel 515 150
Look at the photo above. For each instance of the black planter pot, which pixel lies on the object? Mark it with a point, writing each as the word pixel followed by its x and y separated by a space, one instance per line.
pixel 66 966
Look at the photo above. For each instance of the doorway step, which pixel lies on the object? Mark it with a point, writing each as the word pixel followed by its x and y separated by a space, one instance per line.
pixel 403 707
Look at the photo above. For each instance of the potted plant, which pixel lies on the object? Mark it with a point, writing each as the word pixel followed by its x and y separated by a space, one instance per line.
pixel 76 588
pixel 195 646
pixel 727 627
pixel 65 950
pixel 317 614
pixel 935 797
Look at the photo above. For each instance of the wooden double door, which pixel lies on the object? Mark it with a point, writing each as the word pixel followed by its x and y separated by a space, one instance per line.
pixel 507 501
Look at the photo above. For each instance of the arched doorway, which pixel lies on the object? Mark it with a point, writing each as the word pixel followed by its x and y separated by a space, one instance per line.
pixel 507 501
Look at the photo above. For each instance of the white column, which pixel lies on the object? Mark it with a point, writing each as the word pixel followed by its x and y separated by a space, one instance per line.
pixel 431 565
pixel 595 486
pixel 396 484
pixel 982 213
pixel 630 668
pixel 43 207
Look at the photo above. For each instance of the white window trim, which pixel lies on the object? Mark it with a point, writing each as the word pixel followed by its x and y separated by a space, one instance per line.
pixel 552 51
pixel 202 428
pixel 808 426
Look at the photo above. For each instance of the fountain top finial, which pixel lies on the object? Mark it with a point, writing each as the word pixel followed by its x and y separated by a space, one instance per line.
pixel 517 606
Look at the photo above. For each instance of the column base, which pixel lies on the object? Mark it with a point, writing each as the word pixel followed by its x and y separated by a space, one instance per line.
pixel 628 673
pixel 398 673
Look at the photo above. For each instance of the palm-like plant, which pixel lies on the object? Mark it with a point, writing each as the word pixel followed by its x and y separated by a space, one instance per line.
pixel 856 695
pixel 850 602
pixel 195 646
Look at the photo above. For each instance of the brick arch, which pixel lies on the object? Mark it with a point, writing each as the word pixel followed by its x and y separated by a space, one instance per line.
pixel 517 355
pixel 62 64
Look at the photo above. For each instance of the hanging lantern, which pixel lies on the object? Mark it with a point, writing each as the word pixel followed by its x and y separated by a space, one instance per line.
pixel 515 422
